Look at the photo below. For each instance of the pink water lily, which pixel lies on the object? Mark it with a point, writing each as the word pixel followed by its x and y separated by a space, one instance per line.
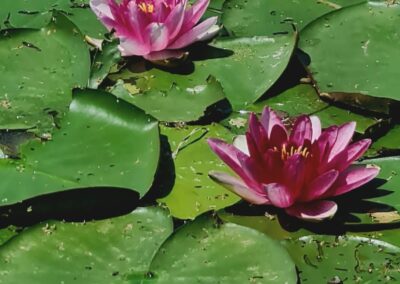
pixel 155 29
pixel 296 171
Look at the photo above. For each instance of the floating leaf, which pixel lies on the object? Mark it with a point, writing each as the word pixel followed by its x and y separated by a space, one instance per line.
pixel 389 144
pixel 326 259
pixel 37 14
pixel 245 68
pixel 175 105
pixel 303 99
pixel 260 17
pixel 39 69
pixel 363 42
pixel 206 252
pixel 194 192
pixel 102 142
pixel 91 252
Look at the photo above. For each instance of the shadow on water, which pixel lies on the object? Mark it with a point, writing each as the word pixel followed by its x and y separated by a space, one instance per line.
pixel 75 205
pixel 344 221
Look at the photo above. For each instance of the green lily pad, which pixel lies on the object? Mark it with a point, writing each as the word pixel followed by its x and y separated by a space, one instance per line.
pixel 207 252
pixel 303 99
pixel 39 69
pixel 92 252
pixel 326 259
pixel 102 142
pixel 194 192
pixel 6 234
pixel 245 68
pixel 364 42
pixel 260 17
pixel 103 62
pixel 37 14
pixel 390 177
pixel 389 144
pixel 191 103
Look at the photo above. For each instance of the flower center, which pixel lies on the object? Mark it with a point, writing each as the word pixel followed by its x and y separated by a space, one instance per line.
pixel 146 7
pixel 288 152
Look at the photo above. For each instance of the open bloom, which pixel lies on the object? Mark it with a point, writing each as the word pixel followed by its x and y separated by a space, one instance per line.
pixel 296 171
pixel 155 29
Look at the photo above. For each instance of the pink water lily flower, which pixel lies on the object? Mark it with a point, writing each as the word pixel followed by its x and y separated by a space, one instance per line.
pixel 155 29
pixel 296 171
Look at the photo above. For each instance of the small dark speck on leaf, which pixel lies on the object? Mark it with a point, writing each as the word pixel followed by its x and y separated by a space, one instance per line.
pixel 30 45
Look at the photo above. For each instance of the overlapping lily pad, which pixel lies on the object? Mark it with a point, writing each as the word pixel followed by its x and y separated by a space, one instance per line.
pixel 92 252
pixel 245 68
pixel 37 14
pixel 102 142
pixel 363 42
pixel 39 69
pixel 207 252
pixel 303 99
pixel 260 17
pixel 194 192
pixel 325 259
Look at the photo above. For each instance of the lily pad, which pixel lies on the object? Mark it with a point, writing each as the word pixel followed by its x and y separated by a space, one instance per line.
pixel 92 252
pixel 303 99
pixel 207 252
pixel 194 192
pixel 260 17
pixel 326 259
pixel 102 142
pixel 364 42
pixel 6 234
pixel 39 70
pixel 37 14
pixel 245 68
pixel 191 103
pixel 390 181
pixel 388 144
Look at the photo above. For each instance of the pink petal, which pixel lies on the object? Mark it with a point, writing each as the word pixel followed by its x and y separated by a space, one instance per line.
pixel 316 128
pixel 194 13
pixel 257 132
pixel 175 19
pixel 240 143
pixel 202 31
pixel 101 8
pixel 254 173
pixel 229 154
pixel 301 132
pixel 314 211
pixel 353 177
pixel 294 173
pixel 274 128
pixel 345 133
pixel 158 36
pixel 279 195
pixel 350 154
pixel 238 187
pixel 321 147
pixel 131 46
pixel 164 55
pixel 269 119
pixel 319 186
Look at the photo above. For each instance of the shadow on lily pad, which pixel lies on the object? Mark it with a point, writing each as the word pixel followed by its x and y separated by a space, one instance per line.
pixel 345 220
pixel 75 205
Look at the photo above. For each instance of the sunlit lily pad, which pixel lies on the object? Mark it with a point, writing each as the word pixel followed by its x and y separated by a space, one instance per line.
pixel 228 253
pixel 39 70
pixel 362 43
pixel 92 252
pixel 194 192
pixel 245 68
pixel 102 142
pixel 326 259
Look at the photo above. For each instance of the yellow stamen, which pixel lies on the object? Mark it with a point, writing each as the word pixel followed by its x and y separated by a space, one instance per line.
pixel 146 7
pixel 286 154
